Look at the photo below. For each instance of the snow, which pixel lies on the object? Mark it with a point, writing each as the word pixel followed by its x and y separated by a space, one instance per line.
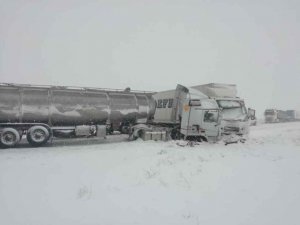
pixel 155 182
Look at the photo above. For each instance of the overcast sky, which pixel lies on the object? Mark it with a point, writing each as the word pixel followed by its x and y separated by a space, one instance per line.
pixel 153 45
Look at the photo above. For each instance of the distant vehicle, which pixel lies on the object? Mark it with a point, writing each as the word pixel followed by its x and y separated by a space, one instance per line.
pixel 276 116
pixel 235 118
pixel 294 115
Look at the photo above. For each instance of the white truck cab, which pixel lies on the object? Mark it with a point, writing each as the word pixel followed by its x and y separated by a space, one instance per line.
pixel 186 113
pixel 271 116
pixel 200 117
pixel 235 118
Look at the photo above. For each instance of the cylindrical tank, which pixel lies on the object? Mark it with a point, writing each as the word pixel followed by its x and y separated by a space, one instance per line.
pixel 67 106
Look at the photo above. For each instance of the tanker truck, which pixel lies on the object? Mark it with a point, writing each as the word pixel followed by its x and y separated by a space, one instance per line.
pixel 235 118
pixel 43 112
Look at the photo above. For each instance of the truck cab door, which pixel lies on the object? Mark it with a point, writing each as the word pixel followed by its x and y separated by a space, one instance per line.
pixel 211 122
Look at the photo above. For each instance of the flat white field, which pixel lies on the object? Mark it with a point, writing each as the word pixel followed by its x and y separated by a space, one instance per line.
pixel 155 183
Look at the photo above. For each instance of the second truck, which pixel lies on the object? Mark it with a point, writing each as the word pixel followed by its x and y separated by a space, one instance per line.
pixel 235 117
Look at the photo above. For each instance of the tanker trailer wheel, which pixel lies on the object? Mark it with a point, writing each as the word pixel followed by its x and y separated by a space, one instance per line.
pixel 9 137
pixel 38 135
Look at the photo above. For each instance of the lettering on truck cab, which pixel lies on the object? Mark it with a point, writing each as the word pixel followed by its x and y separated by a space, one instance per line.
pixel 164 103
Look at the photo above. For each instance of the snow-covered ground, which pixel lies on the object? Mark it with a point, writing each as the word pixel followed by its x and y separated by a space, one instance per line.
pixel 256 183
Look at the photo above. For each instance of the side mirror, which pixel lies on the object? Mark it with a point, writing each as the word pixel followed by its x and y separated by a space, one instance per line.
pixel 251 113
pixel 248 114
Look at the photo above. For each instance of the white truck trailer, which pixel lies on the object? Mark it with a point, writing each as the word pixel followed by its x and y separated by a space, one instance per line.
pixel 235 118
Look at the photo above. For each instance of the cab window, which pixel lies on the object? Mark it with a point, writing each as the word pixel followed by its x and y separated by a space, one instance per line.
pixel 211 116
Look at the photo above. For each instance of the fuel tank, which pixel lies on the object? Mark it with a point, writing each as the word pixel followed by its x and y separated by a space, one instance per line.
pixel 70 106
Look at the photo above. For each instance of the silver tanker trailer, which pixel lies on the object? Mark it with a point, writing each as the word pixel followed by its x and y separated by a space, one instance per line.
pixel 41 112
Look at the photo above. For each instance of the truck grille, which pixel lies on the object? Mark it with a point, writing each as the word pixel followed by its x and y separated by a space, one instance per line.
pixel 231 129
pixel 269 119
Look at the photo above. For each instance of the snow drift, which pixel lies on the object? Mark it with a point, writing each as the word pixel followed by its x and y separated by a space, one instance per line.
pixel 156 182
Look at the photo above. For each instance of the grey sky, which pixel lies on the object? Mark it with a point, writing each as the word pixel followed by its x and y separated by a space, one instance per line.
pixel 153 45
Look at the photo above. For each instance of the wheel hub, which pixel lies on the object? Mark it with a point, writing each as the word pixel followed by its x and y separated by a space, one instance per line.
pixel 39 135
pixel 9 137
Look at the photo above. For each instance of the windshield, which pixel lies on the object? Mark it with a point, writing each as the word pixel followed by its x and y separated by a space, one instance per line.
pixel 229 104
pixel 269 113
pixel 232 109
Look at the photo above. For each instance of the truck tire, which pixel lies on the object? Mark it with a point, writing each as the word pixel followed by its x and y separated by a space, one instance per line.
pixel 38 135
pixel 175 134
pixel 203 139
pixel 138 133
pixel 9 137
